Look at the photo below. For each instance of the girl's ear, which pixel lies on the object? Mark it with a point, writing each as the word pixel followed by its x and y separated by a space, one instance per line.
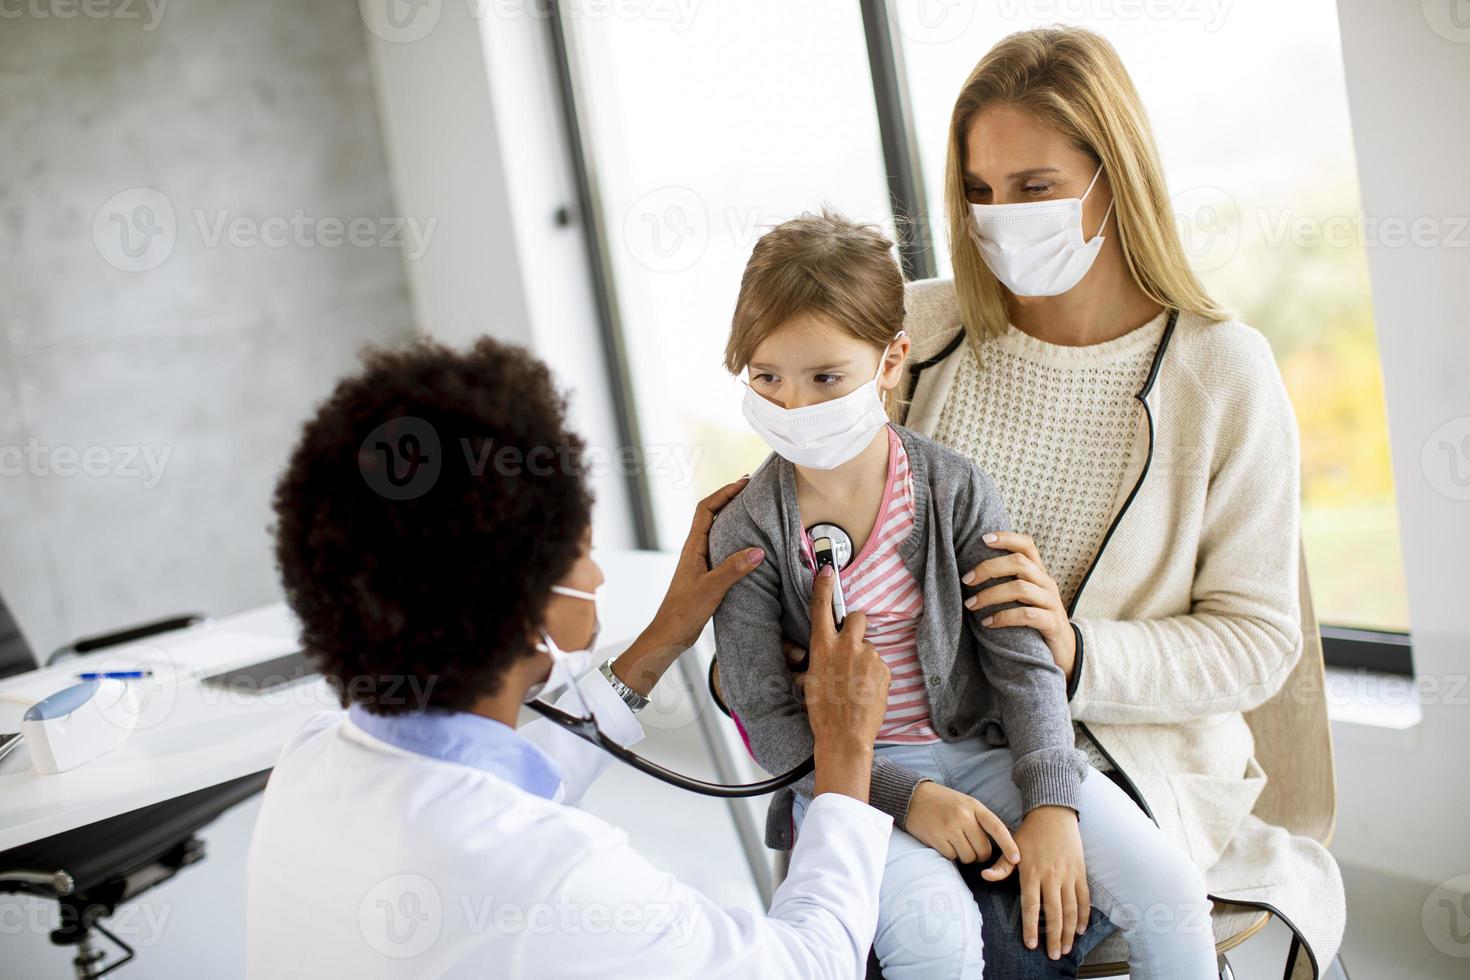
pixel 898 352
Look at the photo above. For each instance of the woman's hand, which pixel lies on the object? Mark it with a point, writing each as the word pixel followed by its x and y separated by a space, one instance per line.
pixel 1053 878
pixel 692 598
pixel 956 826
pixel 1041 601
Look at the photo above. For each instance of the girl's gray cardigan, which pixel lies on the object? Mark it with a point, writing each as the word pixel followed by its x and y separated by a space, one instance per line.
pixel 999 682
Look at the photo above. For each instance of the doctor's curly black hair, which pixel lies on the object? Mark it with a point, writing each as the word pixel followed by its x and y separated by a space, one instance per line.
pixel 431 503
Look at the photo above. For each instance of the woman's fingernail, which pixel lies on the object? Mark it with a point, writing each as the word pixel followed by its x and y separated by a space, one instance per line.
pixel 970 603
pixel 990 538
pixel 756 555
pixel 968 578
pixel 743 476
pixel 987 620
pixel 826 571
pixel 1015 857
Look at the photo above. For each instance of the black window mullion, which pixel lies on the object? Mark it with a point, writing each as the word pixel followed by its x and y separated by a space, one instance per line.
pixel 604 287
pixel 900 148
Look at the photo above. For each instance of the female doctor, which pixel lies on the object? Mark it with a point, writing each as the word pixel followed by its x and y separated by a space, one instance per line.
pixel 421 833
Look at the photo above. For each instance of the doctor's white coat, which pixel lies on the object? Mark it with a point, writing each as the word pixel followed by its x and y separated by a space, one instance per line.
pixel 372 861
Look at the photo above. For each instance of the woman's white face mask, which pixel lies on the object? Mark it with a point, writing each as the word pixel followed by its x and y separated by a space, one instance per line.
pixel 1035 247
pixel 825 435
pixel 566 665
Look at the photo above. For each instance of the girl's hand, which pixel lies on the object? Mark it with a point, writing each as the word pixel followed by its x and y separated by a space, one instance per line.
pixel 956 826
pixel 1053 878
pixel 1041 601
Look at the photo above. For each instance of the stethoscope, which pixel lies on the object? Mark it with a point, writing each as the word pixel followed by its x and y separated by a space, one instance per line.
pixel 831 545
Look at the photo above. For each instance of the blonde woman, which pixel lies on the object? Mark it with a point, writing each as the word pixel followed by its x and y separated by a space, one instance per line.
pixel 1144 446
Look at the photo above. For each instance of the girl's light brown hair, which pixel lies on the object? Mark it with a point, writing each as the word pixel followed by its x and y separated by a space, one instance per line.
pixel 1072 81
pixel 817 263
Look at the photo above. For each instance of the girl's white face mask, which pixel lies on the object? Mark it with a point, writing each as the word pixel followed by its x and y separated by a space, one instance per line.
pixel 825 435
pixel 1035 247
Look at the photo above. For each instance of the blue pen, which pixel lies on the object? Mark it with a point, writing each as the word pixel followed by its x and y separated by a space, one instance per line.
pixel 114 675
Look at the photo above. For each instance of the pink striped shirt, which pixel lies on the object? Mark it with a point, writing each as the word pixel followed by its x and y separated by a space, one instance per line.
pixel 876 582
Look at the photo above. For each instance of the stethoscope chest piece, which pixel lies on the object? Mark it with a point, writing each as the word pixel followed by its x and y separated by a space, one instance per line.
pixel 841 542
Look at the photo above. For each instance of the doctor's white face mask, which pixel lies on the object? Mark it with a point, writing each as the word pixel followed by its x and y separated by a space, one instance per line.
pixel 1035 247
pixel 825 435
pixel 565 663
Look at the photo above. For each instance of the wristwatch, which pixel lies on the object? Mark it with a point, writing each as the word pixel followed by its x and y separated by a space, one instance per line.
pixel 635 701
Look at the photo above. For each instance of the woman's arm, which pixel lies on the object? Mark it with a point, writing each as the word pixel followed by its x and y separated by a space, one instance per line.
pixel 1018 664
pixel 1242 636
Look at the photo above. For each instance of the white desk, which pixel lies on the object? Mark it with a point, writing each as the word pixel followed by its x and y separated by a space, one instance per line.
pixel 195 736
pixel 192 737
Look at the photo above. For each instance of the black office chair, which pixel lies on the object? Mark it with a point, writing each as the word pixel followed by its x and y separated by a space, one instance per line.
pixel 92 869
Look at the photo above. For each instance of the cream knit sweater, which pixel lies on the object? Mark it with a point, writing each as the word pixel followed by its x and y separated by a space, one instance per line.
pixel 1057 425
pixel 1192 615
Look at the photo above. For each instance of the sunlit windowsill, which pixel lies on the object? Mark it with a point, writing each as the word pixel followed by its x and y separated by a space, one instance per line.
pixel 1360 697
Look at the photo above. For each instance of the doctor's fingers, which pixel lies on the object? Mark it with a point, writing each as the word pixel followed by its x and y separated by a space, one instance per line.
pixel 824 628
pixel 697 543
pixel 734 568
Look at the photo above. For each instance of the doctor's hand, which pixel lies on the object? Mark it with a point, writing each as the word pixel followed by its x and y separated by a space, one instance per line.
pixel 846 688
pixel 692 598
pixel 1040 599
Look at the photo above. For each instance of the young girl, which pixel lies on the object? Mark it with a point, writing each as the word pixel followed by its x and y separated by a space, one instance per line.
pixel 977 724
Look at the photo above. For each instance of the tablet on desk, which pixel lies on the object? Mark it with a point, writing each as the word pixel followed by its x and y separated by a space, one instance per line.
pixel 265 676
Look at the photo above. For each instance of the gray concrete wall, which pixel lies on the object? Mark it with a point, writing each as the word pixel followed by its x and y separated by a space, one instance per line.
pixel 181 281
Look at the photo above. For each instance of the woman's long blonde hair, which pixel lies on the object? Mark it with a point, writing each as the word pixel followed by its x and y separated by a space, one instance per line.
pixel 1073 81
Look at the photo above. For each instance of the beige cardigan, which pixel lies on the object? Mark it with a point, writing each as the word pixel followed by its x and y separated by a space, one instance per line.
pixel 1189 615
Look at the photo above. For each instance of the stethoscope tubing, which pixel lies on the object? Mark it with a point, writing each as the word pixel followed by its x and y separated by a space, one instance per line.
pixel 586 728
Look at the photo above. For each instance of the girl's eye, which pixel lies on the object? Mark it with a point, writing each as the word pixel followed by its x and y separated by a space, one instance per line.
pixel 1038 189
pixel 976 195
pixel 829 379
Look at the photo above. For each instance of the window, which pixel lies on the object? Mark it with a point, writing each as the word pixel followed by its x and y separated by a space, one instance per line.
pixel 705 132
pixel 1259 158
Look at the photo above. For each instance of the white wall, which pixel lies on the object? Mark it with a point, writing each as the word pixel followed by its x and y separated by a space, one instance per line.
pixel 1404 799
pixel 474 137
pixel 202 355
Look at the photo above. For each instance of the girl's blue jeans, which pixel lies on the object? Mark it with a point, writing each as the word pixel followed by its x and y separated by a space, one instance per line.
pixel 930 924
